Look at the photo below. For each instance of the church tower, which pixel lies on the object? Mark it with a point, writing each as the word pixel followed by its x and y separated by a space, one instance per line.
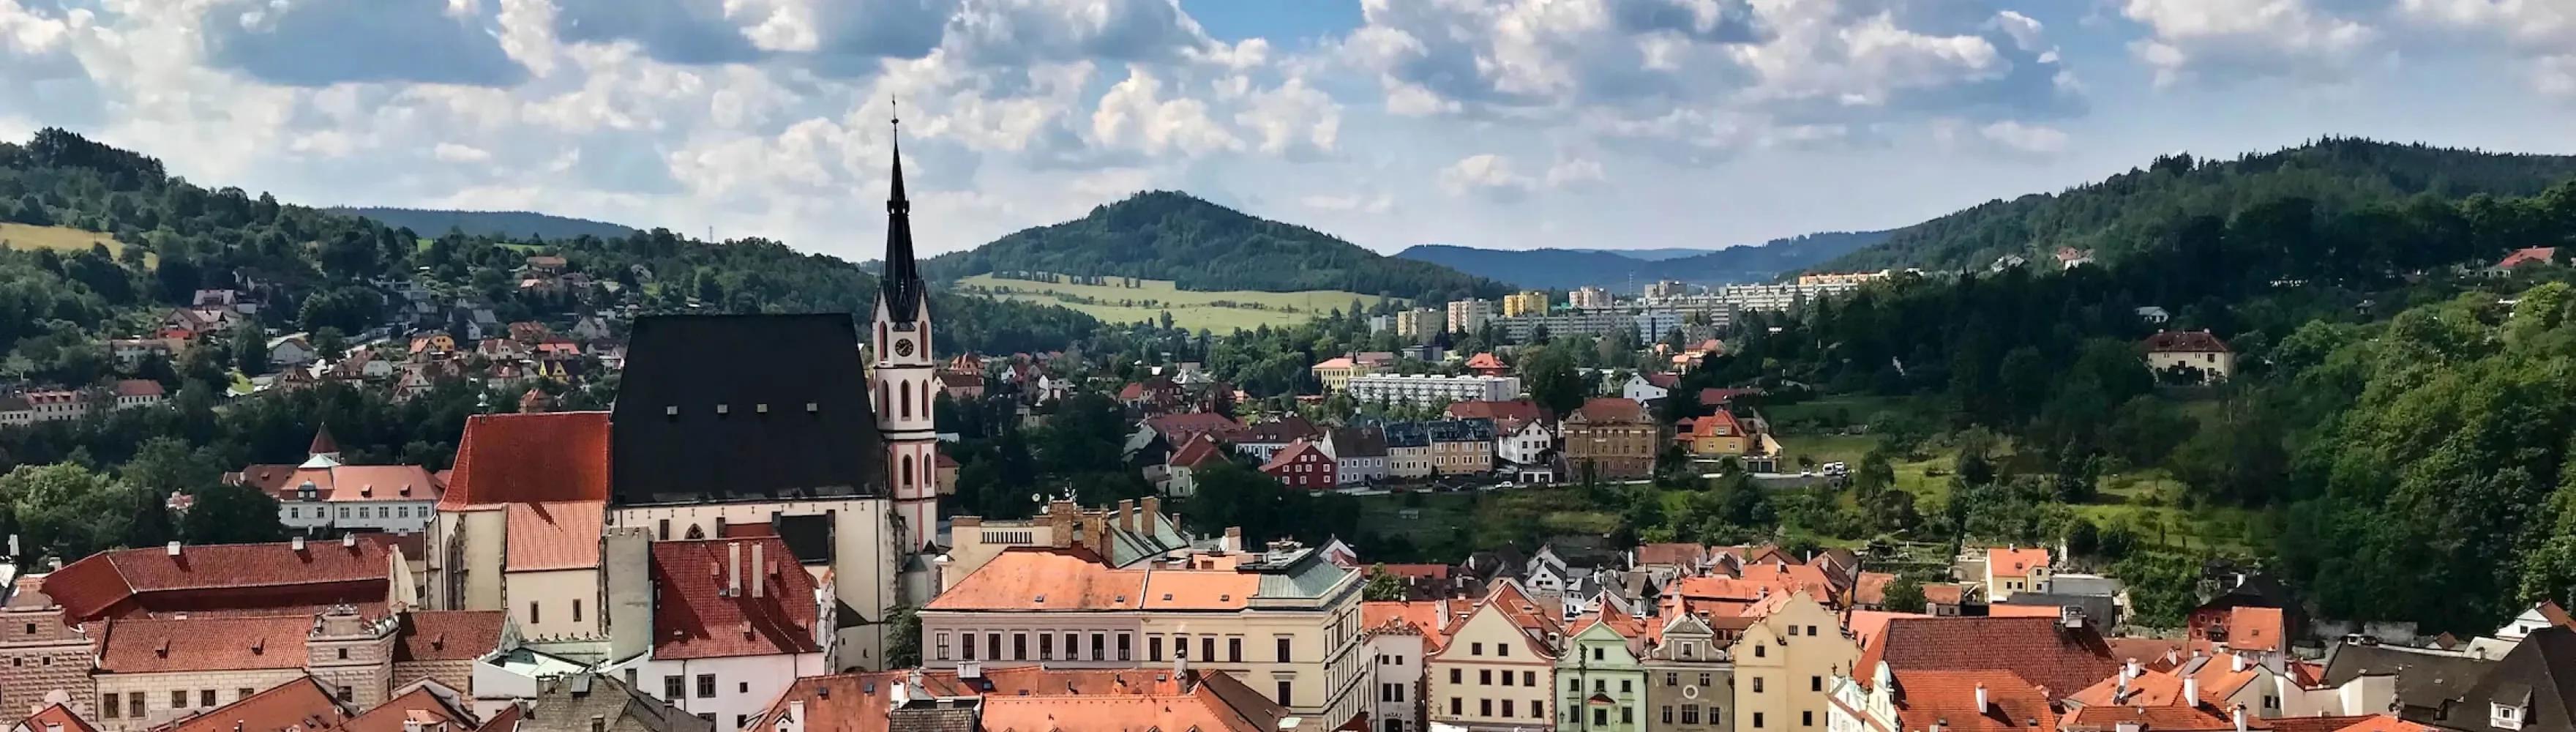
pixel 904 377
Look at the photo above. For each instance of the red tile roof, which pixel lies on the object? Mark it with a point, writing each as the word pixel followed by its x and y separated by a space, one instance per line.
pixel 1949 698
pixel 1612 410
pixel 857 702
pixel 1944 593
pixel 2527 255
pixel 1871 588
pixel 1421 617
pixel 1868 624
pixel 222 577
pixel 1287 456
pixel 555 535
pixel 418 704
pixel 1484 361
pixel 2038 649
pixel 1197 451
pixel 153 645
pixel 344 482
pixel 1681 554
pixel 449 635
pixel 302 704
pixel 1068 579
pixel 138 388
pixel 2185 341
pixel 56 718
pixel 1182 426
pixel 520 458
pixel 692 617
pixel 2255 628
pixel 2015 562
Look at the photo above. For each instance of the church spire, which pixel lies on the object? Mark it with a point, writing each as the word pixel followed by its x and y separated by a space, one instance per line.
pixel 900 284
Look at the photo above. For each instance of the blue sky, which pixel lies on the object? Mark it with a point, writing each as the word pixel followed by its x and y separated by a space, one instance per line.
pixel 1503 123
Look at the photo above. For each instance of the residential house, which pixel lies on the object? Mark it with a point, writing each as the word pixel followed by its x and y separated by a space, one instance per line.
pixel 2153 315
pixel 1261 439
pixel 2251 605
pixel 2522 692
pixel 432 344
pixel 2524 257
pixel 1302 465
pixel 1461 446
pixel 589 328
pixel 195 322
pixel 1284 616
pixel 1487 364
pixel 2011 569
pixel 1646 388
pixel 292 349
pixel 1610 438
pixel 586 702
pixel 1408 451
pixel 1529 445
pixel 2232 681
pixel 1508 416
pixel 1181 471
pixel 1603 682
pixel 136 393
pixel 1717 435
pixel 131 352
pixel 715 626
pixel 1335 373
pixel 2429 681
pixel 1400 637
pixel 1180 427
pixel 321 495
pixel 44 405
pixel 1783 660
pixel 1690 681
pixel 1359 455
pixel 962 386
pixel 1430 390
pixel 2195 350
pixel 1497 671
pixel 1985 674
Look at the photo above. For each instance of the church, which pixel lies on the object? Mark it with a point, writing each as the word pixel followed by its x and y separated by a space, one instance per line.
pixel 724 427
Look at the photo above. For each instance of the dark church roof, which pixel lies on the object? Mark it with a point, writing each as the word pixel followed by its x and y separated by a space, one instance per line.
pixel 743 407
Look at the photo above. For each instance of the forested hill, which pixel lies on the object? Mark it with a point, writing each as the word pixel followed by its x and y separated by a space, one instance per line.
pixel 2127 212
pixel 1167 235
pixel 1565 269
pixel 317 268
pixel 505 224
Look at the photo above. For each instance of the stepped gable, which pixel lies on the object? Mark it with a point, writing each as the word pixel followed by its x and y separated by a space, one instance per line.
pixel 716 408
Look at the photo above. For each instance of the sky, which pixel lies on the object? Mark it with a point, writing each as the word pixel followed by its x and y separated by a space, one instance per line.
pixel 1496 123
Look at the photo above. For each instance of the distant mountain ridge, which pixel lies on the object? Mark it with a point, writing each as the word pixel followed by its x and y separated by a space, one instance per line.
pixel 1623 270
pixel 2140 207
pixel 1168 235
pixel 514 224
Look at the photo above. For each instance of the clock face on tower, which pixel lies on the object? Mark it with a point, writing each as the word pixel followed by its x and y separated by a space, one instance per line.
pixel 903 347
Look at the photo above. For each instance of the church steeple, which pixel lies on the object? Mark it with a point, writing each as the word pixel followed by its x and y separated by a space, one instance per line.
pixel 900 284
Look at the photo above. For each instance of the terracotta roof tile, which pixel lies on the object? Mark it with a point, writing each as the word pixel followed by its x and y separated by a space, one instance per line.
pixel 449 635
pixel 152 645
pixel 1612 410
pixel 522 458
pixel 2255 628
pixel 2155 719
pixel 1066 579
pixel 2185 341
pixel 56 718
pixel 222 576
pixel 2037 649
pixel 2009 562
pixel 1871 588
pixel 1949 698
pixel 1197 451
pixel 1681 554
pixel 550 536
pixel 858 702
pixel 419 703
pixel 1868 624
pixel 1421 617
pixel 694 618
pixel 302 704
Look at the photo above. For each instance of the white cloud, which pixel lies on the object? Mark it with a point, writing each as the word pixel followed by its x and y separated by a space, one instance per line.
pixel 1293 119
pixel 2031 139
pixel 455 153
pixel 1134 114
pixel 1573 171
pixel 2258 36
pixel 1368 204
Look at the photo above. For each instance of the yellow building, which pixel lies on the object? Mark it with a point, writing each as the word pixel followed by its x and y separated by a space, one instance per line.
pixel 1717 435
pixel 1336 372
pixel 1530 302
pixel 1785 662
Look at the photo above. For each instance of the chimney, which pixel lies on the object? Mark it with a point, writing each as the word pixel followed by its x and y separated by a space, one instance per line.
pixel 2135 669
pixel 1060 520
pixel 1127 514
pixel 733 569
pixel 349 541
pixel 2238 715
pixel 1982 700
pixel 296 543
pixel 2190 691
pixel 759 572
pixel 172 549
pixel 1233 538
pixel 2235 662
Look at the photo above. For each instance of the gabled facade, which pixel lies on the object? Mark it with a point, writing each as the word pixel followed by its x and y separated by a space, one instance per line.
pixel 1690 682
pixel 1302 465
pixel 1602 685
pixel 1497 670
pixel 1782 664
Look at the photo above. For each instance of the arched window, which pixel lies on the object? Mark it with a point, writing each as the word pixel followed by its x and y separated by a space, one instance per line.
pixel 696 533
pixel 882 395
pixel 907 472
pixel 907 403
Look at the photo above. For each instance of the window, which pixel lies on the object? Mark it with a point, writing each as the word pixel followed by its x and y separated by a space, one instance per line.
pixel 242 693
pixel 576 611
pixel 347 694
pixel 2501 716
pixel 1807 718
pixel 1234 650
pixel 534 617
pixel 1283 649
pixel 178 699
pixel 1627 715
pixel 1759 650
pixel 1154 648
pixel 1668 714
pixel 993 646
pixel 134 704
pixel 966 648
pixel 1485 707
pixel 1757 720
pixel 1453 676
pixel 1180 646
pixel 1624 686
pixel 1502 649
pixel 1287 691
pixel 1207 648
pixel 1475 649
pixel 1672 679
pixel 107 706
pixel 1690 714
pixel 665 530
pixel 344 653
pixel 206 697
pixel 1600 717
pixel 1597 654
pixel 1124 651
pixel 1815 683
pixel 1507 707
pixel 1073 648
pixel 1757 684
pixel 1537 709
pixel 741 719
pixel 942 646
pixel 1703 678
pixel 742 687
pixel 706 686
pixel 1528 678
pixel 1574 685
pixel 1454 707
pixel 1046 647
pixel 1099 642
pixel 1485 677
pixel 1019 647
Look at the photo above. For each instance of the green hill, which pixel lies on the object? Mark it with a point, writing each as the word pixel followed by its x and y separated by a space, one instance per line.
pixel 2121 214
pixel 509 224
pixel 1165 235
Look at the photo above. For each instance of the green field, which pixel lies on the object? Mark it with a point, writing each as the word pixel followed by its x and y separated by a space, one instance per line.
pixel 1216 311
pixel 57 238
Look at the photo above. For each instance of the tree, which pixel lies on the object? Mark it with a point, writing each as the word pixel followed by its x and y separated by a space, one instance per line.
pixel 66 511
pixel 903 637
pixel 250 349
pixel 1903 595
pixel 1382 585
pixel 230 514
pixel 1553 381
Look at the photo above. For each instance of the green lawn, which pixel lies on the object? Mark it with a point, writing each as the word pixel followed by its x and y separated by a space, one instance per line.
pixel 1854 409
pixel 1219 311
pixel 2150 503
pixel 61 239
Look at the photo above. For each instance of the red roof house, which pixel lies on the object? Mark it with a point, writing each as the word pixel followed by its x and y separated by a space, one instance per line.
pixel 1302 464
pixel 723 598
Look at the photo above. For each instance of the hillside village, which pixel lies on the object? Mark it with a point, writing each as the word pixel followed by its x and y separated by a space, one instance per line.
pixel 764 531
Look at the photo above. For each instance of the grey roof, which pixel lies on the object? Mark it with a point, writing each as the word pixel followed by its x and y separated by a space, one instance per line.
pixel 2424 679
pixel 717 408
pixel 1303 574
pixel 2539 676
pixel 1407 434
pixel 1358 442
pixel 2097 608
pixel 932 716
pixel 2084 584
pixel 567 704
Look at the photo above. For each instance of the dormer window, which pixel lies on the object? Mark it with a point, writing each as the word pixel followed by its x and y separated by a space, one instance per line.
pixel 2503 716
